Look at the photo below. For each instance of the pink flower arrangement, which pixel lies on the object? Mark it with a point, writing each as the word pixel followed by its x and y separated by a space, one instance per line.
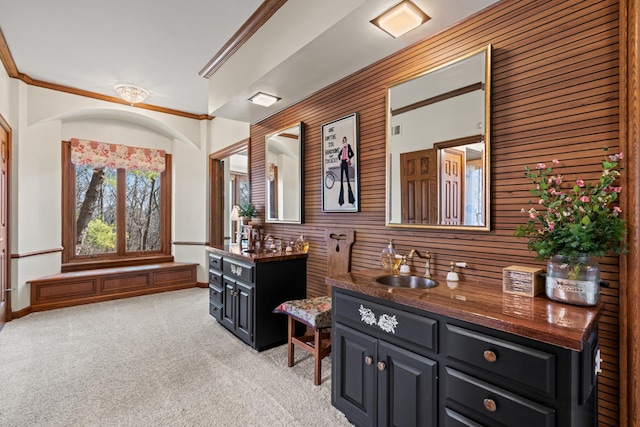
pixel 574 219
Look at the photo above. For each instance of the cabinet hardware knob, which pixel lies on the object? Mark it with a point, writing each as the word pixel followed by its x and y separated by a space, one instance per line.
pixel 490 405
pixel 368 360
pixel 490 356
pixel 381 366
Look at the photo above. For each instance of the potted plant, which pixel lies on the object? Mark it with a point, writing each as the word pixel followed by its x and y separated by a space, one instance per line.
pixel 571 224
pixel 246 211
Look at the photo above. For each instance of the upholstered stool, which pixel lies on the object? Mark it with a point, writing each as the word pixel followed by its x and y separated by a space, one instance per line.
pixel 316 314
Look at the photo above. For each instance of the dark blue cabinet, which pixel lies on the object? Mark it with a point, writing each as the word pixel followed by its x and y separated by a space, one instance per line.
pixel 401 366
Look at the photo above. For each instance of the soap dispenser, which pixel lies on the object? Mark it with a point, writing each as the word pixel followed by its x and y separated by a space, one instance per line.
pixel 388 257
pixel 452 276
pixel 404 267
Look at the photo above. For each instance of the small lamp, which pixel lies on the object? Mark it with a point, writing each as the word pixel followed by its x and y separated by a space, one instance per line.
pixel 235 217
pixel 234 213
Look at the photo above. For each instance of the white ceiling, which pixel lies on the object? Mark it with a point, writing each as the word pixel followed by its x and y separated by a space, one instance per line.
pixel 162 45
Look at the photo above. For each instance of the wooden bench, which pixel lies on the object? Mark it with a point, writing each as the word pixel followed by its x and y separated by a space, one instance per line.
pixel 82 287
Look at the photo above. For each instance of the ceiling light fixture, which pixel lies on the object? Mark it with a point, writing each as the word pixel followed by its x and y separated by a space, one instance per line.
pixel 264 99
pixel 131 94
pixel 401 18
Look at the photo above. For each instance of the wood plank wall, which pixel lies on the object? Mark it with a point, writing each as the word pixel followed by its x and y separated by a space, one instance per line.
pixel 555 95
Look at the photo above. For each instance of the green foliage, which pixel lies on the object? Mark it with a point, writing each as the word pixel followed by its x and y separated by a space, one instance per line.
pixel 574 220
pixel 247 210
pixel 100 235
pixel 147 175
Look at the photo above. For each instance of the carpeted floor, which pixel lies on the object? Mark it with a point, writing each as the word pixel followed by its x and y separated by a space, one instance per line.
pixel 156 360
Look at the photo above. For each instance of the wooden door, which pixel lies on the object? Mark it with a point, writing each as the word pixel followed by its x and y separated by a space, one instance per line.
pixel 419 186
pixel 5 258
pixel 452 184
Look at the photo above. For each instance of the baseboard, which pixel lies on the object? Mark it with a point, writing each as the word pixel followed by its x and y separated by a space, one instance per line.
pixel 103 298
pixel 21 313
pixel 202 285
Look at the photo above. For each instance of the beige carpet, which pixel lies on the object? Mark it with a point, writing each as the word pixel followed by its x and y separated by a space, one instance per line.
pixel 156 360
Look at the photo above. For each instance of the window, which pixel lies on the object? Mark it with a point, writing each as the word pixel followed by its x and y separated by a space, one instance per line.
pixel 112 214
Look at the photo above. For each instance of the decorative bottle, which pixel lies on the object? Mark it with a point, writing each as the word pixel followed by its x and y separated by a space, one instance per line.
pixel 302 245
pixel 388 257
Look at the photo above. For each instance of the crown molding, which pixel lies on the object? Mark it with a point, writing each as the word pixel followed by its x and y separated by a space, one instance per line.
pixel 248 29
pixel 12 71
pixel 7 59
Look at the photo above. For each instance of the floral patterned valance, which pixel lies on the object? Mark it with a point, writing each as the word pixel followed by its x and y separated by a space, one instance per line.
pixel 101 154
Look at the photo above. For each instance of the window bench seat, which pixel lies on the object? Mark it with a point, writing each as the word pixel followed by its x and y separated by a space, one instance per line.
pixel 82 287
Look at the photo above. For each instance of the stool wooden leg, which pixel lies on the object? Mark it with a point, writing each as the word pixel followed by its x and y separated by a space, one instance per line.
pixel 317 364
pixel 291 328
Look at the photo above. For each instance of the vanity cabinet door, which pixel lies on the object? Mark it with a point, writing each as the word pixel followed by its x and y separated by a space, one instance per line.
pixel 407 388
pixel 238 309
pixel 244 312
pixel 354 375
pixel 381 384
pixel 228 308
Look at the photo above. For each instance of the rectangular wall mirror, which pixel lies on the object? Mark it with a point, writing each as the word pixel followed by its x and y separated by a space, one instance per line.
pixel 285 175
pixel 438 146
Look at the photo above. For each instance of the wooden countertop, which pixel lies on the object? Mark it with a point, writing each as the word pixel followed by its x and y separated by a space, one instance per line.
pixel 485 304
pixel 235 252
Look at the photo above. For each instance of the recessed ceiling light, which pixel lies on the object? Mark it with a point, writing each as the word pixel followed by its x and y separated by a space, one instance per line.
pixel 264 99
pixel 401 18
pixel 131 94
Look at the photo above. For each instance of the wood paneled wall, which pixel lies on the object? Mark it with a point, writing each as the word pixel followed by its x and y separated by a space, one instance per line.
pixel 555 95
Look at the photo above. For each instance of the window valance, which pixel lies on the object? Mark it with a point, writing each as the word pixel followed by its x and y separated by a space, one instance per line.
pixel 101 154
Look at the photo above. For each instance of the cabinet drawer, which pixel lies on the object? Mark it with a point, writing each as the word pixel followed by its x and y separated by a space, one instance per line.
pixel 238 270
pixel 216 311
pixel 215 262
pixel 495 403
pixel 215 294
pixel 215 278
pixel 527 366
pixel 397 326
pixel 454 419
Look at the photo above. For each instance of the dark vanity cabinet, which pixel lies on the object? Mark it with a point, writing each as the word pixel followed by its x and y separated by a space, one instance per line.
pixel 244 292
pixel 401 366
pixel 383 374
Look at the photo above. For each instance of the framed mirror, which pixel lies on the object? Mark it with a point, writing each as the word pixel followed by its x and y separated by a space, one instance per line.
pixel 438 146
pixel 284 173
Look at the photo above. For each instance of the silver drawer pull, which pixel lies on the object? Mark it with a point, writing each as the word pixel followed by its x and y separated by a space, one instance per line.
pixel 489 405
pixel 490 356
pixel 368 360
pixel 381 366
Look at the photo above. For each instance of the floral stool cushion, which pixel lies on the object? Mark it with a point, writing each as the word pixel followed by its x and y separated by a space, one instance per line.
pixel 314 312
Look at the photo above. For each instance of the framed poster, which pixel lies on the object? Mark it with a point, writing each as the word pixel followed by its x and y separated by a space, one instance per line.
pixel 340 189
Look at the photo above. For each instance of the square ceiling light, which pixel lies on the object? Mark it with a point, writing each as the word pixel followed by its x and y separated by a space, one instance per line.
pixel 264 99
pixel 401 18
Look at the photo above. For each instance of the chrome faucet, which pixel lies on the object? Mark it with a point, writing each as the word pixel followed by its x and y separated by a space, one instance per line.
pixel 426 257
